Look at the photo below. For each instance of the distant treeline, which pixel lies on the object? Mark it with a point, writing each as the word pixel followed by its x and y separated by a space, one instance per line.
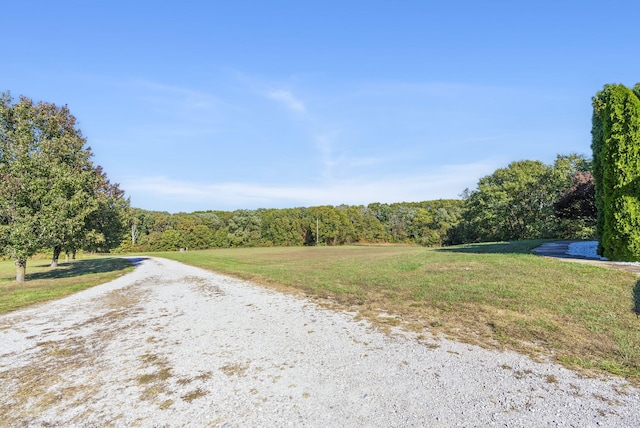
pixel 424 223
pixel 525 200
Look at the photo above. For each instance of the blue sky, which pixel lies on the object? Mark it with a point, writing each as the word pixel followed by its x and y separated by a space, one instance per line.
pixel 222 105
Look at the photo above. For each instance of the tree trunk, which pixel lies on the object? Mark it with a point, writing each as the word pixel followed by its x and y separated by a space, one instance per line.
pixel 56 255
pixel 21 268
pixel 73 255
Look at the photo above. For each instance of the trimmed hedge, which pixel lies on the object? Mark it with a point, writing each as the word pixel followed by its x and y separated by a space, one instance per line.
pixel 616 170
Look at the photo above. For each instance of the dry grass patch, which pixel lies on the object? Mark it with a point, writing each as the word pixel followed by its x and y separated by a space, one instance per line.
pixel 32 389
pixel 165 404
pixel 551 378
pixel 63 372
pixel 154 383
pixel 235 369
pixel 193 395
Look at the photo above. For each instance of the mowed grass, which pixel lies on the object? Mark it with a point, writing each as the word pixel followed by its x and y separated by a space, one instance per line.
pixel 45 283
pixel 495 295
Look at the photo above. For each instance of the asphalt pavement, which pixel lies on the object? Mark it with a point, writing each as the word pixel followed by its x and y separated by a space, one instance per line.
pixel 558 250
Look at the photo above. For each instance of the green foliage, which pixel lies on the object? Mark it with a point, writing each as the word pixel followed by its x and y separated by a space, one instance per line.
pixel 282 227
pixel 244 229
pixel 575 208
pixel 106 225
pixel 169 240
pixel 425 223
pixel 333 226
pixel 516 202
pixel 616 158
pixel 44 169
pixel 51 195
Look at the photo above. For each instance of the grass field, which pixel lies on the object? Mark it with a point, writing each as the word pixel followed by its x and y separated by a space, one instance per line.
pixel 495 295
pixel 44 283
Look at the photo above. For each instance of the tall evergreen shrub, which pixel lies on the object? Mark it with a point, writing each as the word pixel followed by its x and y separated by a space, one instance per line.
pixel 616 170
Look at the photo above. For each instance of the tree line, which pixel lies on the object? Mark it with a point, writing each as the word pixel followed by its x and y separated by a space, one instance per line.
pixel 525 200
pixel 425 223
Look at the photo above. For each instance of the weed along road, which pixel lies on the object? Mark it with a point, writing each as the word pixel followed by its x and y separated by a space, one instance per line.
pixel 174 345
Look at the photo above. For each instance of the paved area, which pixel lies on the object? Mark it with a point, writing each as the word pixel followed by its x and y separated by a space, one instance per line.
pixel 558 250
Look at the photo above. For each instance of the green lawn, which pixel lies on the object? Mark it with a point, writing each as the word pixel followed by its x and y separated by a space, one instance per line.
pixel 496 295
pixel 44 283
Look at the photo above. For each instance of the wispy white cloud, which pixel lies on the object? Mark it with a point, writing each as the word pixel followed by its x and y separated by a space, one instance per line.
pixel 443 182
pixel 325 145
pixel 289 100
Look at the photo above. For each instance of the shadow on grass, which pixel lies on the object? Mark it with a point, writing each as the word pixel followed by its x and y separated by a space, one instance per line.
pixel 636 298
pixel 85 267
pixel 511 247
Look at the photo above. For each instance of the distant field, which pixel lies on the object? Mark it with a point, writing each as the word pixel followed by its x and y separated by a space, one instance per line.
pixel 495 295
pixel 44 283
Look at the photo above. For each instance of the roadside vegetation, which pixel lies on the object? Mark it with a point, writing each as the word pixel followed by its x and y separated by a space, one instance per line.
pixel 45 283
pixel 493 295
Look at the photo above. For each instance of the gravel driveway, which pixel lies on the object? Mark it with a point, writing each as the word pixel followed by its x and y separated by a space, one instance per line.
pixel 173 345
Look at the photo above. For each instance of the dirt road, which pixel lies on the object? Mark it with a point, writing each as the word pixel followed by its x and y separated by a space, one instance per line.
pixel 173 345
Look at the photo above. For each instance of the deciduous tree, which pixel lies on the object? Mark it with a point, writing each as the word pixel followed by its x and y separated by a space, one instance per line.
pixel 51 195
pixel 43 164
pixel 516 202
pixel 576 207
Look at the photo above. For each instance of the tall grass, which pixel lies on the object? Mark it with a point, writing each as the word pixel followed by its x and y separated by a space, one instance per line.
pixel 494 295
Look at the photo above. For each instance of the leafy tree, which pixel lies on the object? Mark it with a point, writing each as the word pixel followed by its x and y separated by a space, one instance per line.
pixel 282 227
pixel 516 202
pixel 576 207
pixel 420 229
pixel 45 179
pixel 434 220
pixel 400 219
pixel 106 225
pixel 365 225
pixel 200 238
pixel 327 225
pixel 244 229
pixel 169 240
pixel 51 194
pixel 616 170
pixel 396 218
pixel 110 218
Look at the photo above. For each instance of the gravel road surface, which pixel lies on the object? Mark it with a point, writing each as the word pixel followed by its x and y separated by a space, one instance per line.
pixel 173 345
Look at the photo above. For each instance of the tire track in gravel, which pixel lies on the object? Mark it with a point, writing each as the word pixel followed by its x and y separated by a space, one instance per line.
pixel 174 345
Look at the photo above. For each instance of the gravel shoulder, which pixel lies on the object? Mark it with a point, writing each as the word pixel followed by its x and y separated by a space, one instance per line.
pixel 174 345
